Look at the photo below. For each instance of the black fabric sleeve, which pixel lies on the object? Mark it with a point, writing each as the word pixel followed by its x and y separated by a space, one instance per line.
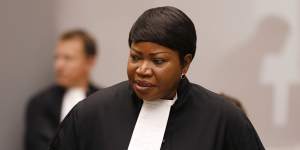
pixel 38 130
pixel 240 133
pixel 67 136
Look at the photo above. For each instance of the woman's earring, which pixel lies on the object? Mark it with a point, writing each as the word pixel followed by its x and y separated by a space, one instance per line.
pixel 182 76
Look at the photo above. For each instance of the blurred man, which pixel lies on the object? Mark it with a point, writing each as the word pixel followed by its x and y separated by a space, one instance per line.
pixel 75 56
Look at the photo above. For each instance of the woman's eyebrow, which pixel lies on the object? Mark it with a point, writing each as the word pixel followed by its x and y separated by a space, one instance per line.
pixel 156 53
pixel 151 54
pixel 136 51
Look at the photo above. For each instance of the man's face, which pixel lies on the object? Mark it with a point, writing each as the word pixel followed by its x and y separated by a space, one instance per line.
pixel 154 71
pixel 71 65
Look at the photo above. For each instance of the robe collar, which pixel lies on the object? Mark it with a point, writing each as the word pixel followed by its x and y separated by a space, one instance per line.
pixel 182 91
pixel 90 90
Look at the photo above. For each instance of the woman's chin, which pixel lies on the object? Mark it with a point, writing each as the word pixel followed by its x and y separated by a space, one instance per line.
pixel 145 97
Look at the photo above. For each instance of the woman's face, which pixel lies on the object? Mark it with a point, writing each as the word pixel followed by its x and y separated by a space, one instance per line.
pixel 154 71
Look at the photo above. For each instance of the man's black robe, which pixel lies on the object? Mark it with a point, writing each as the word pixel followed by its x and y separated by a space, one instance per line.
pixel 43 116
pixel 199 120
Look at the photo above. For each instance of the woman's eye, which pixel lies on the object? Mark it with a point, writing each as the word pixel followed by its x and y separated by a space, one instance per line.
pixel 158 61
pixel 134 57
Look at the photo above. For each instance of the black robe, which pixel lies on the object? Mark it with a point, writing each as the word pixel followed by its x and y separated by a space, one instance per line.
pixel 43 116
pixel 199 120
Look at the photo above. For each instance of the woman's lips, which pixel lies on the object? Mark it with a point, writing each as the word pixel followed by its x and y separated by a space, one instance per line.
pixel 143 85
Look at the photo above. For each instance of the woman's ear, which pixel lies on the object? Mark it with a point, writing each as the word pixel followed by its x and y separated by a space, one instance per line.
pixel 186 63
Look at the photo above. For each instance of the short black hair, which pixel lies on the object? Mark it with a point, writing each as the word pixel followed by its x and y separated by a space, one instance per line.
pixel 90 46
pixel 166 26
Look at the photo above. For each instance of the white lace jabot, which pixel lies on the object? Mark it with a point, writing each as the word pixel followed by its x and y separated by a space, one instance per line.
pixel 70 99
pixel 151 124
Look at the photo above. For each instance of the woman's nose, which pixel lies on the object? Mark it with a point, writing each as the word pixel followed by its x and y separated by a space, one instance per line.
pixel 144 69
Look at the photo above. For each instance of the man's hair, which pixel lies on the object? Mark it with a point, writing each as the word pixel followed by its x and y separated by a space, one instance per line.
pixel 237 103
pixel 90 46
pixel 166 26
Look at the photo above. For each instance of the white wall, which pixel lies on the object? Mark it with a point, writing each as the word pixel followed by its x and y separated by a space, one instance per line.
pixel 27 34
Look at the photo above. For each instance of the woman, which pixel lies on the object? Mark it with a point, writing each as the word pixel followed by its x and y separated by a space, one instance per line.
pixel 157 108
